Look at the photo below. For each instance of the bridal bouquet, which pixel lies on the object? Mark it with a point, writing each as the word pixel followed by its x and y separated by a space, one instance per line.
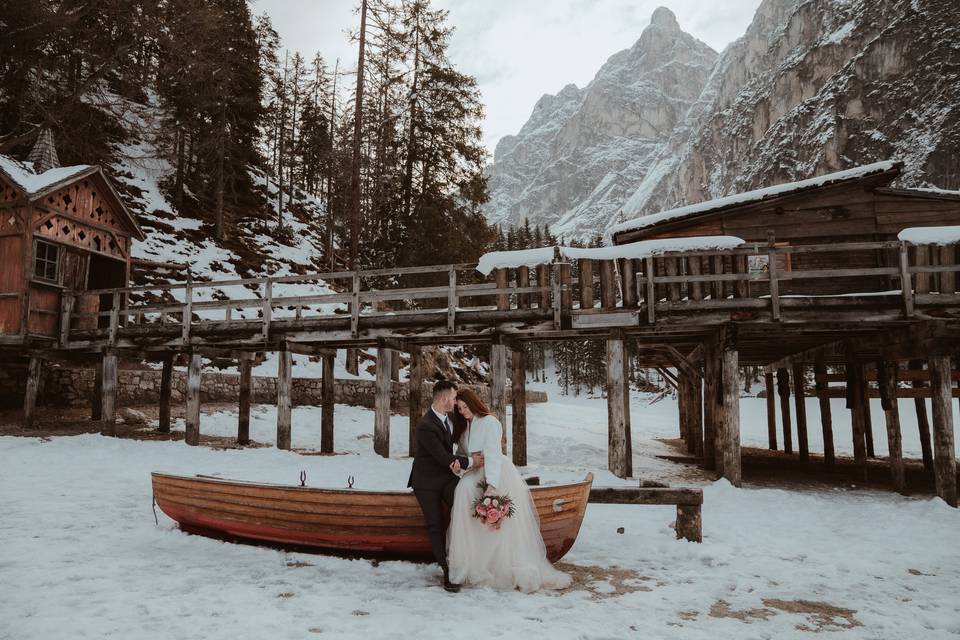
pixel 492 510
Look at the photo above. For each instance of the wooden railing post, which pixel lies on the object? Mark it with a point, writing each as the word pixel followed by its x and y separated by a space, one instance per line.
pixel 608 292
pixel 187 312
pixel 355 307
pixel 906 285
pixel 586 283
pixel 651 292
pixel 66 307
pixel 543 281
pixel 772 273
pixel 628 276
pixel 523 281
pixel 501 276
pixel 452 302
pixel 555 289
pixel 695 290
pixel 114 318
pixel 948 279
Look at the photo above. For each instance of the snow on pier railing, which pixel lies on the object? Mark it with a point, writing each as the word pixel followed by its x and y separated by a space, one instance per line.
pixel 643 249
pixel 930 235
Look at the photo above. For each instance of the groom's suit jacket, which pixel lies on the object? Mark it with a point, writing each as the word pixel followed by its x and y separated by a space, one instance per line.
pixel 434 454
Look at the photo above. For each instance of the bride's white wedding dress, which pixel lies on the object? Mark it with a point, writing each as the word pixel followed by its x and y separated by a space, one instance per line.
pixel 514 556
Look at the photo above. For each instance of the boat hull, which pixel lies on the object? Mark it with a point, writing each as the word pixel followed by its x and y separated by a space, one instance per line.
pixel 347 521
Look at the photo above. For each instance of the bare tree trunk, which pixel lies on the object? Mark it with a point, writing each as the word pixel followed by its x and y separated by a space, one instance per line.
pixel 355 165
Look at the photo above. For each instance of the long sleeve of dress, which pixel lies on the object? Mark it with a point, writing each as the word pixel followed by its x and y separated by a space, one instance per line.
pixel 492 454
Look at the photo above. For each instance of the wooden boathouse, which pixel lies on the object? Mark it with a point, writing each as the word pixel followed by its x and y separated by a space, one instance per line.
pixel 807 274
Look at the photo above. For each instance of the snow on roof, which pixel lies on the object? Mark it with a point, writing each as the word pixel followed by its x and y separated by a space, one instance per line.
pixel 32 183
pixel 643 249
pixel 756 195
pixel 930 235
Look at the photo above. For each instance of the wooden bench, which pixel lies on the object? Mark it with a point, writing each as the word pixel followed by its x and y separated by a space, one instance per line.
pixel 689 522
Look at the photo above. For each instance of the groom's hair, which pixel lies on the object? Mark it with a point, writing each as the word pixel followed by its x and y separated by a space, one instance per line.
pixel 442 386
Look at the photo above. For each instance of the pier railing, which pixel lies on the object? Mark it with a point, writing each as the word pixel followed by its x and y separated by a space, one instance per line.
pixel 754 281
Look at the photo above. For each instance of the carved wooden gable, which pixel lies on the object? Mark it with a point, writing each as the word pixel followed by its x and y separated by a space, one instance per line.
pixel 83 214
pixel 11 215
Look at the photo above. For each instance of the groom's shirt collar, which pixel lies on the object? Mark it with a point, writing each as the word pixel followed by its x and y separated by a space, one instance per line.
pixel 441 416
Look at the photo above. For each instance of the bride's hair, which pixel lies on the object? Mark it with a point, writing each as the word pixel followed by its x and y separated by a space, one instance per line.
pixel 479 409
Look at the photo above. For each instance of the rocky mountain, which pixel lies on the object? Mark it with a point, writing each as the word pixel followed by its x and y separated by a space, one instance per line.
pixel 583 151
pixel 813 86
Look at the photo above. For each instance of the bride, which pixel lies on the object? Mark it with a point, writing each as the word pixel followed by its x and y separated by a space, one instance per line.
pixel 513 556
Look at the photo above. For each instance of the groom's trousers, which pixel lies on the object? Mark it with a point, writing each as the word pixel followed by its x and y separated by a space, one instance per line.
pixel 431 502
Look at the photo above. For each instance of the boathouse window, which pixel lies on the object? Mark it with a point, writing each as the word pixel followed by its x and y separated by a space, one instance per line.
pixel 46 256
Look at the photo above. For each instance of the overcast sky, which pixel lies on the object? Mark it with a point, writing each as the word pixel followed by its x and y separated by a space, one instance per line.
pixel 517 49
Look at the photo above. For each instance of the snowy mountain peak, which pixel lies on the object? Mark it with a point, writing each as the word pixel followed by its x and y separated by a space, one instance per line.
pixel 664 17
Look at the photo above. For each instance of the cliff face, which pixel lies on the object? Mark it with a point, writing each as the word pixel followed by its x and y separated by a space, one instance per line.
pixel 584 150
pixel 813 86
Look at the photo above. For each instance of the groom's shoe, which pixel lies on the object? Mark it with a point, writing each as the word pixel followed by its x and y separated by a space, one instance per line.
pixel 452 587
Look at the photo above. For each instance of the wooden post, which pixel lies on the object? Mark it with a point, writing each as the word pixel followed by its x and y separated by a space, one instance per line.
pixel 381 402
pixel 730 379
pixel 519 400
pixel 166 384
pixel 414 397
pixel 395 366
pixel 683 400
pixel 922 259
pixel 501 276
pixel 923 421
pixel 618 461
pixel 523 281
pixel 673 289
pixel 948 279
pixel 498 382
pixel 710 358
pixel 651 290
pixel 689 524
pixel 96 400
pixel 695 291
pixel 887 381
pixel 906 284
pixel 944 457
pixel 243 420
pixel 867 419
pixel 855 402
pixel 772 273
pixel 326 405
pixel 284 405
pixel 566 287
pixel 108 425
pixel 799 398
pixel 783 388
pixel 771 412
pixel 192 418
pixel 608 292
pixel 586 283
pixel 826 417
pixel 543 282
pixel 628 278
pixel 695 416
pixel 30 397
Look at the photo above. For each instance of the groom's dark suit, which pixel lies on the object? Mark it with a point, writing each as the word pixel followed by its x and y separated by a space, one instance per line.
pixel 432 481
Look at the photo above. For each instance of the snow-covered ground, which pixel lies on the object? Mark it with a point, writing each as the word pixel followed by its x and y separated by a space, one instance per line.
pixel 81 557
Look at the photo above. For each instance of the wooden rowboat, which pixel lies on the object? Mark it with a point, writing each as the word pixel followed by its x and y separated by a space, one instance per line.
pixel 346 520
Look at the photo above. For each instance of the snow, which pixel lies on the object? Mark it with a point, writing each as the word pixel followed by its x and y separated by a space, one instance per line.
pixel 81 556
pixel 750 196
pixel 930 235
pixel 32 183
pixel 543 255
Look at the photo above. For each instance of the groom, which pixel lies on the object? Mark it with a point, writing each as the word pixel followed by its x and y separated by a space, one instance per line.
pixel 434 475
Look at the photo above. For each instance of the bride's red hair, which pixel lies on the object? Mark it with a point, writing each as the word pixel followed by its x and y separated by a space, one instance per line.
pixel 479 409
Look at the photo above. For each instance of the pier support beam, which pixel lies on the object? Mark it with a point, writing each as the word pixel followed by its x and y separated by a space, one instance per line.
pixel 856 402
pixel 108 395
pixel 381 403
pixel 689 399
pixel 192 418
pixel 730 411
pixel 887 381
pixel 326 405
pixel 826 418
pixel 783 388
pixel 243 419
pixel 618 426
pixel 771 412
pixel 710 404
pixel 284 404
pixel 923 421
pixel 166 385
pixel 498 382
pixel 415 397
pixel 96 399
pixel 800 401
pixel 30 395
pixel 944 457
pixel 519 405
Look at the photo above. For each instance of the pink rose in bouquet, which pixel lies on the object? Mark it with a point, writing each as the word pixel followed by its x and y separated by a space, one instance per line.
pixel 492 509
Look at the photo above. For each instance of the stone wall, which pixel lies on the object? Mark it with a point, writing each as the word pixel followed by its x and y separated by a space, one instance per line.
pixel 74 386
